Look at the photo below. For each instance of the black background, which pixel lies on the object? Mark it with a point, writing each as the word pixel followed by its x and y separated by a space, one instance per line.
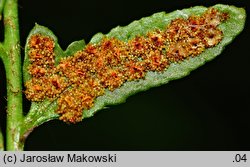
pixel 207 110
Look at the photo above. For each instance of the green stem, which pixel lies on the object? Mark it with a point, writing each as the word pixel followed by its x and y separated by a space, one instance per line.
pixel 12 63
pixel 1 8
pixel 2 55
pixel 1 141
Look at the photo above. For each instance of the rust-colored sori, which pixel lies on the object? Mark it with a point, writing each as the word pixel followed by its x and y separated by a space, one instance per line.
pixel 79 79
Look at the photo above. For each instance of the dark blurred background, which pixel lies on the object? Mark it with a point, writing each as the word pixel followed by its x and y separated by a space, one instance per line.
pixel 207 110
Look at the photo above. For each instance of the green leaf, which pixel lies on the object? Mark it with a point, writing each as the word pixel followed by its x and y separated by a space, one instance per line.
pixel 44 111
pixel 41 112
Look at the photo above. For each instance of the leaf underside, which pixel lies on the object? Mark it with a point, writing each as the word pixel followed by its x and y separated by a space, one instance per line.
pixel 43 111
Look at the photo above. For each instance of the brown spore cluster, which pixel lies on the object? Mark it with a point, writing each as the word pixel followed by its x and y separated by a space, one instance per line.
pixel 80 78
